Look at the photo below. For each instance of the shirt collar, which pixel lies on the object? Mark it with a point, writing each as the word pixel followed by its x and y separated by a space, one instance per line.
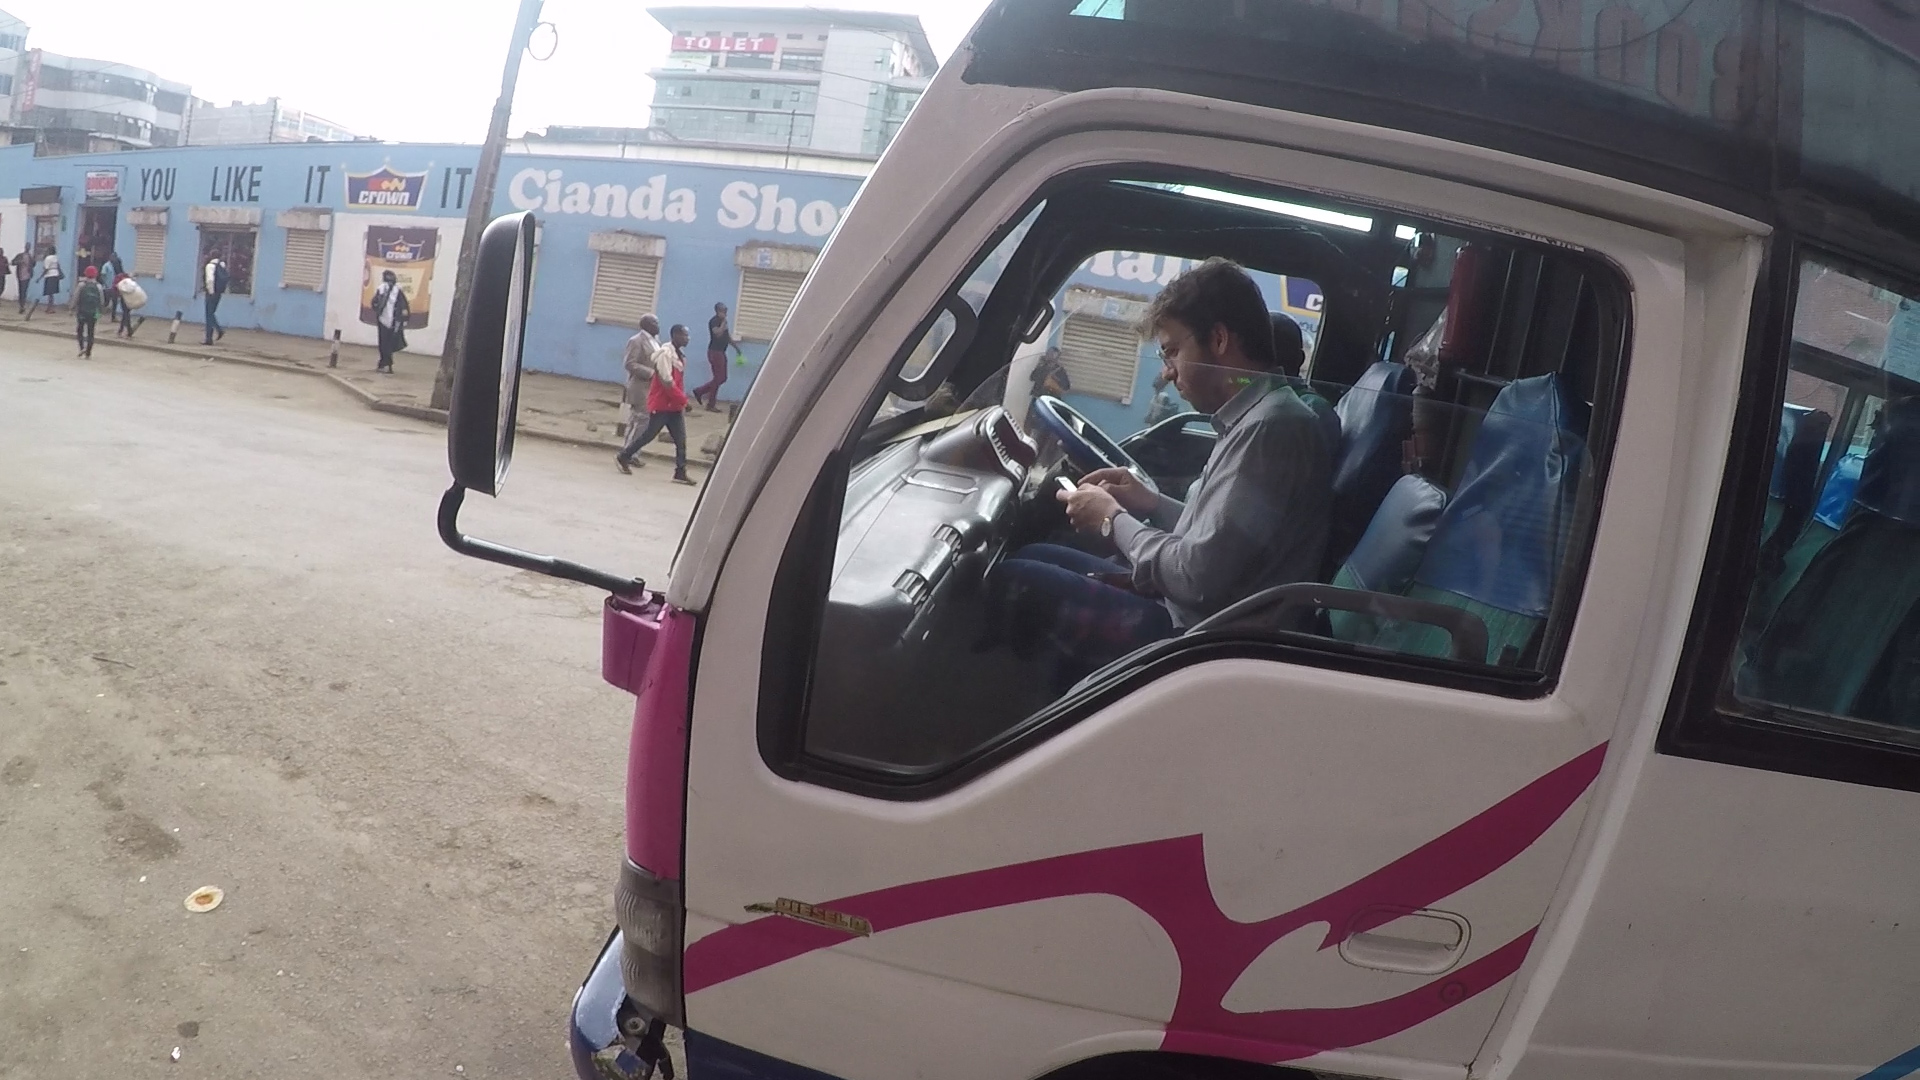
pixel 1242 403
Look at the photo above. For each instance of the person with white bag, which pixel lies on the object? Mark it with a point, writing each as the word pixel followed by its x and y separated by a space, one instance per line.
pixel 132 299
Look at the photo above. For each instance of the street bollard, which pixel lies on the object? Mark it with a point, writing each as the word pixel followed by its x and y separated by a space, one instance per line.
pixel 333 356
pixel 174 331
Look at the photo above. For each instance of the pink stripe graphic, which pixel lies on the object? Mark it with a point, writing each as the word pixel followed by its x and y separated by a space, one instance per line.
pixel 1167 879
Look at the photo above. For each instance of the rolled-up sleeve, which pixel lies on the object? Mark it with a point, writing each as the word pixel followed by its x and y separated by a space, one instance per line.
pixel 1257 481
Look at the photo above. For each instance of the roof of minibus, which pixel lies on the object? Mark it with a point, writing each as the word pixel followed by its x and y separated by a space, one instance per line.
pixel 1759 106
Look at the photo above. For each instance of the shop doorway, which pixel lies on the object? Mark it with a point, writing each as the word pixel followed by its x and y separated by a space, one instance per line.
pixel 95 238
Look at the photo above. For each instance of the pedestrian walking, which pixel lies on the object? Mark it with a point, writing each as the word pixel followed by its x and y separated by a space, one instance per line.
pixel 719 339
pixel 22 275
pixel 50 277
pixel 666 407
pixel 639 365
pixel 111 271
pixel 214 279
pixel 132 299
pixel 88 300
pixel 390 309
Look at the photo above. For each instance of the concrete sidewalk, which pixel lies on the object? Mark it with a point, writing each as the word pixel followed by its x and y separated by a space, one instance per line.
pixel 555 407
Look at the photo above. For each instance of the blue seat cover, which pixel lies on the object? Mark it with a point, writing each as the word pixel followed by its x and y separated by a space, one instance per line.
pixel 1502 537
pixel 1390 551
pixel 1890 476
pixel 1376 418
pixel 1836 499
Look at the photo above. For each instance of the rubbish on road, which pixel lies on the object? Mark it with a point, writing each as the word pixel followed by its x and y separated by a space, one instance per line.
pixel 205 898
pixel 111 660
pixel 143 879
pixel 175 1055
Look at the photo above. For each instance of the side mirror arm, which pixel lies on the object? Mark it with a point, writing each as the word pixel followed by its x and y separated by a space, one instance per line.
pixel 525 560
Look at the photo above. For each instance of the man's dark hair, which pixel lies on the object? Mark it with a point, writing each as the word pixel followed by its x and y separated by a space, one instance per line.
pixel 1289 345
pixel 1218 292
pixel 680 328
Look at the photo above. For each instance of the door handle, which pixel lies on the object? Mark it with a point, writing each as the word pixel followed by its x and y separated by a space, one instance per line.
pixel 1421 942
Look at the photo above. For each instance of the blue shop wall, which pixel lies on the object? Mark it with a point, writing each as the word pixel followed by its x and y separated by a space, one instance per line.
pixel 269 179
pixel 704 213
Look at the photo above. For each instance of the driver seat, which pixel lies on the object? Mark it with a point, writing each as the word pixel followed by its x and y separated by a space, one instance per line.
pixel 1290 353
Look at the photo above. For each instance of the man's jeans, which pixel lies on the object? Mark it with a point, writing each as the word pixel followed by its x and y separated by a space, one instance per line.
pixel 675 424
pixel 1047 596
pixel 213 324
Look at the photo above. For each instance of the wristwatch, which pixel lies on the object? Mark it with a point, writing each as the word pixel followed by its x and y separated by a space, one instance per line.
pixel 1106 525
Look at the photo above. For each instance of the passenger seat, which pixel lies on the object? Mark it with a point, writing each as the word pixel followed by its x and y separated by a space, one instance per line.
pixel 1845 638
pixel 1497 548
pixel 1390 551
pixel 1376 418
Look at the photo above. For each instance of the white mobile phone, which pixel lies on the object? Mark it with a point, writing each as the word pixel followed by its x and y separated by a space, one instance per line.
pixel 1068 486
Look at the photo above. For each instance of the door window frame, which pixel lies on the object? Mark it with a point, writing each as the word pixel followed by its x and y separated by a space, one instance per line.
pixel 798 598
pixel 1699 723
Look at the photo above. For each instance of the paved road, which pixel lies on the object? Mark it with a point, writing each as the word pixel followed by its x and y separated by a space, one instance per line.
pixel 234 653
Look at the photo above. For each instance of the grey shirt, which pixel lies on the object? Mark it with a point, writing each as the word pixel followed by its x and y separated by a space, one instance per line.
pixel 1257 517
pixel 639 365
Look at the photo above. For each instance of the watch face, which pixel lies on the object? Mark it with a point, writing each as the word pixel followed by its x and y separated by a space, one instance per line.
pixel 1106 527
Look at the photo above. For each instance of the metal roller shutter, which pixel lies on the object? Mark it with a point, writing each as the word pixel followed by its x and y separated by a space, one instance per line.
pixel 1101 356
pixel 624 288
pixel 149 250
pixel 306 265
pixel 765 296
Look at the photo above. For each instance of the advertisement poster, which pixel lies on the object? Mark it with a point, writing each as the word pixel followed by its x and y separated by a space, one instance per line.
pixel 409 253
pixel 103 185
pixel 385 190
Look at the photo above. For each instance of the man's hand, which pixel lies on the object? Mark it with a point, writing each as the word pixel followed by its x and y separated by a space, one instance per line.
pixel 1126 489
pixel 1089 507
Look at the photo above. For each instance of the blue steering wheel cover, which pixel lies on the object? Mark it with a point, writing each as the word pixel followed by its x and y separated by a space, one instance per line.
pixel 1046 412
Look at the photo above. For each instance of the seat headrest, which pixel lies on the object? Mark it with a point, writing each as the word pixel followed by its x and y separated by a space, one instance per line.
pixel 1890 477
pixel 1389 552
pixel 1803 435
pixel 1501 539
pixel 1289 344
pixel 1376 417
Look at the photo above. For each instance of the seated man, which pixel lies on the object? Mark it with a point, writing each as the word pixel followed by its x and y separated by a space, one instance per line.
pixel 1257 517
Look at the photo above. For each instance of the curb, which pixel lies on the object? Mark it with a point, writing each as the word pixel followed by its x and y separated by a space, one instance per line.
pixel 367 397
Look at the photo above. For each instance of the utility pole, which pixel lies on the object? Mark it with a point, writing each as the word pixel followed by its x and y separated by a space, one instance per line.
pixel 480 202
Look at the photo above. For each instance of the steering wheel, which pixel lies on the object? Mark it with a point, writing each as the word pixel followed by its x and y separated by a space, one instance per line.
pixel 1086 446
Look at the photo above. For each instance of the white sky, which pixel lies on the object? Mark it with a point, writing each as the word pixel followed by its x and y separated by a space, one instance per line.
pixel 409 71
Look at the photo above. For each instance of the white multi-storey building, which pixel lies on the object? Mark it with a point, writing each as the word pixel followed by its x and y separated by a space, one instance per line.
pixel 75 105
pixel 800 79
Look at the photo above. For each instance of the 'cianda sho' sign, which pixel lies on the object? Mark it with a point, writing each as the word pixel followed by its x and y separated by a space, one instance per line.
pixel 743 204
pixel 385 190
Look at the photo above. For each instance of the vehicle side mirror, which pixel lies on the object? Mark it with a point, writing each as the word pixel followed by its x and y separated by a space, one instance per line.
pixel 486 375
pixel 486 400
